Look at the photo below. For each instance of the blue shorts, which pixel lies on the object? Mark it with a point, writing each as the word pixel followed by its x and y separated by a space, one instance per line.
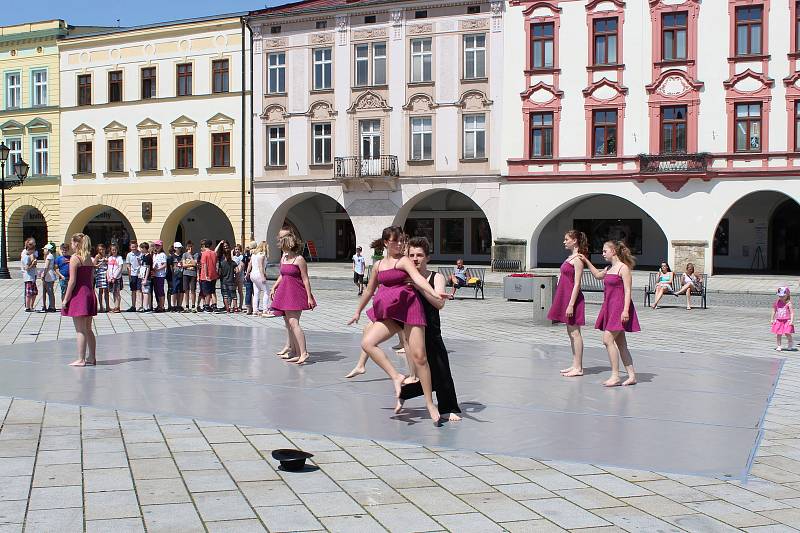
pixel 135 283
pixel 208 287
pixel 461 282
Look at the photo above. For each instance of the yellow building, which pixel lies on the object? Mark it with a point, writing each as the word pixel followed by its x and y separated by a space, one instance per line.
pixel 29 126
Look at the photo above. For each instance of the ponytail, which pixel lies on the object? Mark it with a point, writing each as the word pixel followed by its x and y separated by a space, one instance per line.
pixel 580 238
pixel 83 245
pixel 623 253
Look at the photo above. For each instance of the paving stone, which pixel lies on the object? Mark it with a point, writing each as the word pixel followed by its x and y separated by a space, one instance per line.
pixel 116 525
pixel 236 526
pixel 533 526
pixel 730 514
pixel 309 482
pixel 372 492
pixel 189 444
pixel 614 486
pixel 285 518
pixel 196 460
pixel 94 446
pixel 14 488
pixel 147 450
pixel 524 491
pixel 634 475
pixel 463 458
pixel 12 512
pixel 179 430
pixel 468 523
pixel 552 479
pixel 436 468
pixel 676 491
pixel 436 501
pixel 220 434
pixel 789 517
pixel 56 497
pixel 700 522
pixel 223 505
pixel 402 476
pixel 105 460
pixel 60 442
pixel 658 506
pixel 589 498
pixel 499 507
pixel 51 520
pixel 465 485
pixel 334 456
pixel 107 479
pixel 250 470
pixel 573 469
pixel 161 491
pixel 402 518
pixel 743 498
pixel 373 456
pixel 635 521
pixel 331 504
pixel 57 475
pixel 208 480
pixel 564 513
pixel 153 468
pixel 268 493
pixel 350 524
pixel 18 448
pixel 269 442
pixel 172 518
pixel 113 504
pixel 346 471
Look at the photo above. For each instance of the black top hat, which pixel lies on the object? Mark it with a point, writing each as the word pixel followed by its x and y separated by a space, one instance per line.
pixel 291 460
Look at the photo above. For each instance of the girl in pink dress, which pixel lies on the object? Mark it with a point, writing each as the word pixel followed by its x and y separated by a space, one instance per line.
pixel 79 300
pixel 617 314
pixel 397 307
pixel 291 295
pixel 568 303
pixel 783 318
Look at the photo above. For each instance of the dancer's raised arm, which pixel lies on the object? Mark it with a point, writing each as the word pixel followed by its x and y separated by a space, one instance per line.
pixel 598 274
pixel 419 281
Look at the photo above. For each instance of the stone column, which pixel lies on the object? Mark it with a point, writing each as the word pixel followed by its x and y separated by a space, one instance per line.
pixel 369 217
pixel 689 251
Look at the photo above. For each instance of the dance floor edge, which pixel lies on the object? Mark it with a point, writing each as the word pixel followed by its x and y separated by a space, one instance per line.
pixel 689 414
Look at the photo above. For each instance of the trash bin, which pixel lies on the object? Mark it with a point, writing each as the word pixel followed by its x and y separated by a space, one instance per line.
pixel 544 288
pixel 519 287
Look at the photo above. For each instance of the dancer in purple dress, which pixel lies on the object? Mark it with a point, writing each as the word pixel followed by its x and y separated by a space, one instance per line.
pixel 617 314
pixel 397 307
pixel 291 295
pixel 568 304
pixel 79 300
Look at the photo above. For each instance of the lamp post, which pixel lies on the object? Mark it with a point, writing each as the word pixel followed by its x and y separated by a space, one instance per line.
pixel 20 172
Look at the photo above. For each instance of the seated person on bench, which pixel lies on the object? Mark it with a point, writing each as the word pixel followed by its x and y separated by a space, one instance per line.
pixel 459 277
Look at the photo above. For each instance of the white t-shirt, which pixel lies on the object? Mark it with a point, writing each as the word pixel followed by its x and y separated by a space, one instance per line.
pixel 134 262
pixel 114 267
pixel 28 271
pixel 160 261
pixel 359 263
pixel 50 273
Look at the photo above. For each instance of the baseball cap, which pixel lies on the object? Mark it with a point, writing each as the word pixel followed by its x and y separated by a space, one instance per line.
pixel 48 246
pixel 783 291
pixel 159 242
pixel 177 245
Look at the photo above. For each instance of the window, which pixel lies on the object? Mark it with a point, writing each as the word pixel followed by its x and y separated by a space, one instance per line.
pixel 275 29
pixel 13 90
pixel 116 155
pixel 276 139
pixel 276 68
pixel 474 136
pixel 115 86
pixel 148 83
pixel 39 78
pixel 421 139
pixel 321 143
pixel 474 56
pixel 14 153
pixel 748 127
pixel 219 75
pixel 421 60
pixel 85 158
pixel 673 129
pixel 748 30
pixel 85 89
pixel 370 19
pixel 40 156
pixel 184 79
pixel 149 159
pixel 605 41
pixel 542 45
pixel 604 130
pixel 184 151
pixel 323 68
pixel 321 24
pixel 370 55
pixel 421 14
pixel 797 126
pixel 673 36
pixel 473 10
pixel 541 134
pixel 221 149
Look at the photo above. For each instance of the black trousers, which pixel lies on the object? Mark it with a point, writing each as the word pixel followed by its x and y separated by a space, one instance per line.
pixel 441 378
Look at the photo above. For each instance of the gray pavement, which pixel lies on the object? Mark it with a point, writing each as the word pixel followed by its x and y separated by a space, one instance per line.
pixel 77 468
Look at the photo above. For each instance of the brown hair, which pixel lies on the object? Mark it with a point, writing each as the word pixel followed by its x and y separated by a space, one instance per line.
pixel 83 248
pixel 387 234
pixel 580 237
pixel 290 242
pixel 421 243
pixel 623 252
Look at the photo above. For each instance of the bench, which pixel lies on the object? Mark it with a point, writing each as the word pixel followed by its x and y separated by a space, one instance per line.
pixel 506 265
pixel 589 283
pixel 478 273
pixel 677 283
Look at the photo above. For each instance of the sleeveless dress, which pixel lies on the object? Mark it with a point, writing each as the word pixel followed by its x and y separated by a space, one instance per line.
pixel 609 318
pixel 558 311
pixel 291 293
pixel 83 301
pixel 439 363
pixel 396 300
pixel 782 316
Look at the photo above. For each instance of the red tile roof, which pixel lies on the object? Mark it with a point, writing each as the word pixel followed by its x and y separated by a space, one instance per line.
pixel 310 5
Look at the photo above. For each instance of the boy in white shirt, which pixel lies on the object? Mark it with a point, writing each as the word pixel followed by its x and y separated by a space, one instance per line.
pixel 359 267
pixel 114 276
pixel 28 259
pixel 134 261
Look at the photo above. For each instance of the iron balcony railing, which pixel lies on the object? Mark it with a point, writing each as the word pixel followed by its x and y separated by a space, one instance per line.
pixel 384 166
pixel 677 163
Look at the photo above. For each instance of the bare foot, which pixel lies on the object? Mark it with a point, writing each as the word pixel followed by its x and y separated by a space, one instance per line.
pixel 398 383
pixel 778 349
pixel 302 360
pixel 401 350
pixel 567 370
pixel 688 307
pixel 356 372
pixel 410 379
pixel 286 349
pixel 630 381
pixel 574 373
pixel 398 406
pixel 454 418
pixel 435 416
pixel 78 362
pixel 611 382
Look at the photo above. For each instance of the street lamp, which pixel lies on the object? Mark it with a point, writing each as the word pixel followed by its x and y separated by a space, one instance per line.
pixel 20 172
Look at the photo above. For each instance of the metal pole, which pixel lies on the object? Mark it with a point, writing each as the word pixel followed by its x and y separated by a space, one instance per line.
pixel 4 273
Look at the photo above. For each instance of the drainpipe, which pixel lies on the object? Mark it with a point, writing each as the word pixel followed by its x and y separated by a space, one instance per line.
pixel 244 130
pixel 252 139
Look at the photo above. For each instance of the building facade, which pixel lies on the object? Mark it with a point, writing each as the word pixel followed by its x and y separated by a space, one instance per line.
pixel 379 113
pixel 152 132
pixel 29 126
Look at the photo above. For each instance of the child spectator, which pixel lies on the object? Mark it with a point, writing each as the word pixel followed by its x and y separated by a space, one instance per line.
pixel 783 318
pixel 48 279
pixel 145 267
pixel 176 273
pixel 227 276
pixel 62 265
pixel 114 275
pixel 159 274
pixel 100 279
pixel 133 260
pixel 208 273
pixel 189 261
pixel 28 260
pixel 359 267
pixel 238 259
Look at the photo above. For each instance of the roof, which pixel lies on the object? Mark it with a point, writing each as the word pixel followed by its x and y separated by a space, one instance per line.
pixel 112 31
pixel 306 6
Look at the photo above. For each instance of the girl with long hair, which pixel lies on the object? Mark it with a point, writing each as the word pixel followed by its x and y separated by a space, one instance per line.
pixel 80 301
pixel 397 307
pixel 291 295
pixel 568 304
pixel 257 271
pixel 617 314
pixel 664 284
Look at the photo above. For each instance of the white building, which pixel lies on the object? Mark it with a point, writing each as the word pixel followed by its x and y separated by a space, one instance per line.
pixel 152 134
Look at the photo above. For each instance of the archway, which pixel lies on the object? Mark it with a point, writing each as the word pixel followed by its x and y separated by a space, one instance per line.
pixel 603 217
pixel 197 220
pixel 25 221
pixel 759 232
pixel 322 223
pixel 103 224
pixel 454 224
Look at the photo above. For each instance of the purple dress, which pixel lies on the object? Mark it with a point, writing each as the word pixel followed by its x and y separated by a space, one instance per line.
pixel 558 311
pixel 396 300
pixel 291 292
pixel 610 316
pixel 83 301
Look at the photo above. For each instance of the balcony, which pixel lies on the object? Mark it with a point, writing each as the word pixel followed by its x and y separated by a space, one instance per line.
pixel 354 167
pixel 674 163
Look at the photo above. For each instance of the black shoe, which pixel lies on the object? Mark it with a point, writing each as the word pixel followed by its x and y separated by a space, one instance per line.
pixel 52 310
pixel 131 309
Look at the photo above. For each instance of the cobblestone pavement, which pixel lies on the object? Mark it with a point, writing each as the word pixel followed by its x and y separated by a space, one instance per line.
pixel 67 468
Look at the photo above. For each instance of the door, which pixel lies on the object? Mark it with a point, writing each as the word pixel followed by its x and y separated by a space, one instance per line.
pixel 345 239
pixel 370 147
